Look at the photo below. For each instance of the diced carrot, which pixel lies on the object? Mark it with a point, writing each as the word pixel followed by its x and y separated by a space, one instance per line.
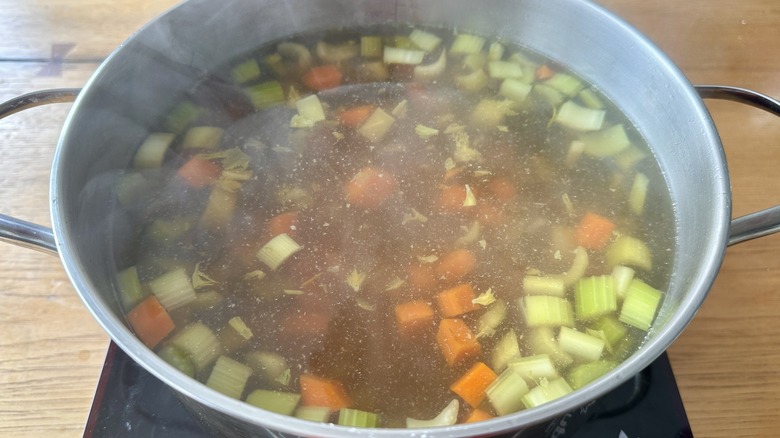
pixel 451 198
pixel 472 385
pixel 478 415
pixel 544 72
pixel 452 173
pixel 370 187
pixel 325 393
pixel 502 189
pixel 593 231
pixel 413 317
pixel 284 223
pixel 422 278
pixel 456 264
pixel 456 341
pixel 150 321
pixel 456 301
pixel 322 77
pixel 355 117
pixel 198 172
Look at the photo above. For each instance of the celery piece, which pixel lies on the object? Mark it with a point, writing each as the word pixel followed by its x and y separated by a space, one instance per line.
pixel 202 137
pixel 576 149
pixel 504 70
pixel 612 329
pixel 607 142
pixel 465 44
pixel 173 289
pixel 579 118
pixel 178 359
pixel 630 251
pixel 278 250
pixel 246 71
pixel 229 377
pixel 377 125
pixel 182 116
pixel 310 108
pixel 506 349
pixel 425 40
pixel 590 98
pixel 129 286
pixel 474 61
pixel 542 341
pixel 274 401
pixel 491 319
pixel 506 393
pixel 546 310
pixel 152 151
pixel 357 418
pixel 594 297
pixel 234 335
pixel 240 327
pixel 547 391
pixel 313 413
pixel 371 46
pixel 447 417
pixel 629 157
pixel 585 373
pixel 336 53
pixel 295 55
pixel 534 368
pixel 566 84
pixel 640 305
pixel 622 276
pixel 538 285
pixel 219 207
pixel 514 89
pixel 266 94
pixel 578 267
pixel 495 51
pixel 423 131
pixel 489 113
pixel 394 55
pixel 549 94
pixel 200 344
pixel 431 72
pixel 163 230
pixel 206 300
pixel 132 187
pixel 472 82
pixel 276 63
pixel 636 198
pixel 580 345
pixel 268 365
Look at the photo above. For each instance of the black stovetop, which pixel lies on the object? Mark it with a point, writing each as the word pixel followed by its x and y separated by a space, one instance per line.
pixel 130 402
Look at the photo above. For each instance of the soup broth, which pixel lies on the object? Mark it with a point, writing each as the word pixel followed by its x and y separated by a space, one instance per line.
pixel 394 227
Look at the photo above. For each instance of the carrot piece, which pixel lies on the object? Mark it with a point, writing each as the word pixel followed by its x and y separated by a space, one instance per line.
pixel 322 77
pixel 456 341
pixel 472 385
pixel 198 172
pixel 355 117
pixel 370 187
pixel 452 173
pixel 282 224
pixel 456 301
pixel 544 72
pixel 478 415
pixel 325 393
pixel 502 189
pixel 150 321
pixel 451 198
pixel 413 317
pixel 456 264
pixel 593 231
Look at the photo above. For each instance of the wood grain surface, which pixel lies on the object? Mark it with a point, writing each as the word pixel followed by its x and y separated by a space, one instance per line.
pixel 727 362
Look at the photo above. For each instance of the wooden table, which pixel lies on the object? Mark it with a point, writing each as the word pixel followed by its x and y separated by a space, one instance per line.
pixel 727 362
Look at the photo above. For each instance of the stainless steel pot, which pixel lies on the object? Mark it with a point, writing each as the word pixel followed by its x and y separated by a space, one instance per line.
pixel 146 75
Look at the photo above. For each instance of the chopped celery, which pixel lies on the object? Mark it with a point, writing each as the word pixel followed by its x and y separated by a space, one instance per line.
pixel 234 335
pixel 335 54
pixel 377 125
pixel 394 55
pixel 177 358
pixel 636 199
pixel 313 413
pixel 606 142
pixel 549 94
pixel 246 71
pixel 514 89
pixel 206 300
pixel 472 82
pixel 266 94
pixel 310 108
pixel 490 113
pixel 566 84
pixel 578 267
pixel 182 116
pixel 294 54
pixel 585 373
pixel 580 345
pixel 278 250
pixel 133 187
pixel 506 393
pixel 465 44
pixel 152 151
pixel 200 344
pixel 470 200
pixel 533 368
pixel 424 40
pixel 447 417
pixel 485 298
pixel 430 72
pixel 276 63
pixel 229 377
pixel 594 297
pixel 200 279
pixel 629 157
pixel 371 46
pixel 546 392
pixel 576 149
pixel 163 230
pixel 627 250
pixel 173 289
pixel 472 233
pixel 495 51
pixel 542 341
pixel 423 131
pixel 240 327
pixel 640 305
pixel 268 365
pixel 504 70
pixel 590 98
pixel 400 110
pixel 129 286
pixel 474 61
pixel 546 310
pixel 506 349
pixel 202 137
pixel 491 319
pixel 622 276
pixel 219 207
pixel 357 418
pixel 538 285
pixel 613 331
pixel 356 278
pixel 579 118
pixel 274 401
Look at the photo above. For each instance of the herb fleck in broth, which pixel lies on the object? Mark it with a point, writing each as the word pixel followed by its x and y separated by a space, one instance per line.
pixel 383 227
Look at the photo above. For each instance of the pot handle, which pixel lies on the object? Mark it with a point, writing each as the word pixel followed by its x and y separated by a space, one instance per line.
pixel 764 222
pixel 17 231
